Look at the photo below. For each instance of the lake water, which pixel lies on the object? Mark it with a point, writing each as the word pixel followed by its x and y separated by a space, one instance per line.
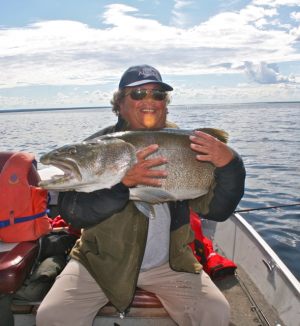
pixel 267 135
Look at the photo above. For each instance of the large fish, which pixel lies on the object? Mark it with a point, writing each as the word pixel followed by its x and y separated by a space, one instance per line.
pixel 102 162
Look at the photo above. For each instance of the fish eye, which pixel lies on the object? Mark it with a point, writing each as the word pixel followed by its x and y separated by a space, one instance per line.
pixel 72 150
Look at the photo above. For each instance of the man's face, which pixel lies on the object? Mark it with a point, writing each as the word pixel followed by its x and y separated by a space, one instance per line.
pixel 146 113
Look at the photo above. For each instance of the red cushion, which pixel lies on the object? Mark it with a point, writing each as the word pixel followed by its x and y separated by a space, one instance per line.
pixel 145 299
pixel 15 265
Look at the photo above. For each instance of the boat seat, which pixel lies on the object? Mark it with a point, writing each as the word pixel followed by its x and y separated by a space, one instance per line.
pixel 142 299
pixel 145 299
pixel 145 304
pixel 16 259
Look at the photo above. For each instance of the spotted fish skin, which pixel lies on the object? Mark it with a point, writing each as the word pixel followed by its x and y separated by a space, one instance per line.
pixel 113 154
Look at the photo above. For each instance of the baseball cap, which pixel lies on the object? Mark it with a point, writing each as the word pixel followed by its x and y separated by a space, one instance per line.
pixel 140 75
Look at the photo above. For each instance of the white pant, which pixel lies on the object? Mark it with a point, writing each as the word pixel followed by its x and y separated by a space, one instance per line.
pixel 190 299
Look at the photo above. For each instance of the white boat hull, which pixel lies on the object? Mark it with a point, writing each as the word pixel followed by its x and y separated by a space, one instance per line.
pixel 241 243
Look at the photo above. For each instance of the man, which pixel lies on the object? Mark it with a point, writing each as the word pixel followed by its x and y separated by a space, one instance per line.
pixel 121 247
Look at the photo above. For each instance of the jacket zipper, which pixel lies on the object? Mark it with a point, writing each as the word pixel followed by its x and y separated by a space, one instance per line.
pixel 123 313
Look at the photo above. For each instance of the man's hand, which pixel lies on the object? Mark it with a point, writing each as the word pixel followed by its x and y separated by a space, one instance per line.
pixel 211 149
pixel 142 173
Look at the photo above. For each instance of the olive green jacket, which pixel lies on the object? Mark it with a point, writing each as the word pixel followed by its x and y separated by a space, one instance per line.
pixel 112 251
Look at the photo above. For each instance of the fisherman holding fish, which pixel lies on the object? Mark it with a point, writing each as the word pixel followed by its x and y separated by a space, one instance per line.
pixel 130 239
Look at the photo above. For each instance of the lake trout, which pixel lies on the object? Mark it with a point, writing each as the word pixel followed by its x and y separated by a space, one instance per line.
pixel 103 161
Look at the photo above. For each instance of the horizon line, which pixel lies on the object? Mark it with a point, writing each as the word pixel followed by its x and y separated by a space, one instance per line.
pixel 106 106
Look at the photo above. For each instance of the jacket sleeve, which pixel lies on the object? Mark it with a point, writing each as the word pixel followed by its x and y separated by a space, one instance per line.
pixel 84 210
pixel 227 193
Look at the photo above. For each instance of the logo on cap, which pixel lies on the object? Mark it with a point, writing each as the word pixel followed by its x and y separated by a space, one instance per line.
pixel 149 71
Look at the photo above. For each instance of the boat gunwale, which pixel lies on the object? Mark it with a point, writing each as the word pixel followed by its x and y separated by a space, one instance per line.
pixel 279 264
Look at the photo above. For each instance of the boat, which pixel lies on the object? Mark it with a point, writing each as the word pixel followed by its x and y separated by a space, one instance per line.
pixel 269 286
pixel 262 291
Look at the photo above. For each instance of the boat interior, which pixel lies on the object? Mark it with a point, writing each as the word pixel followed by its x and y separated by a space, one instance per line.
pixel 248 306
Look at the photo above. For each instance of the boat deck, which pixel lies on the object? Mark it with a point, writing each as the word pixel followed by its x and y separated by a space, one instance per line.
pixel 248 308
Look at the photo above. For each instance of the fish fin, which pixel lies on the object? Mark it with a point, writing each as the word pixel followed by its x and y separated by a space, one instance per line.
pixel 218 133
pixel 151 195
pixel 170 124
pixel 145 208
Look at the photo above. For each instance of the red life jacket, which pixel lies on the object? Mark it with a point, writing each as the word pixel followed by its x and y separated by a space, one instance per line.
pixel 23 207
pixel 215 265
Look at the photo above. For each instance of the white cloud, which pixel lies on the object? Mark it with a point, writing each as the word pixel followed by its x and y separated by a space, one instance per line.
pixel 252 13
pixel 179 16
pixel 295 15
pixel 240 93
pixel 72 53
pixel 276 3
pixel 266 74
pixel 295 32
pixel 71 98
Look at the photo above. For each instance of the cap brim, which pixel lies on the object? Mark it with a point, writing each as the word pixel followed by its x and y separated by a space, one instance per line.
pixel 148 81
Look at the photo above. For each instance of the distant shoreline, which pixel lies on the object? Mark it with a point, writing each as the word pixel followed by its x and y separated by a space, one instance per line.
pixel 109 107
pixel 53 109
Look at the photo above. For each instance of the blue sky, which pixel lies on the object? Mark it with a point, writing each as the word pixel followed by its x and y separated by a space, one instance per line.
pixel 73 52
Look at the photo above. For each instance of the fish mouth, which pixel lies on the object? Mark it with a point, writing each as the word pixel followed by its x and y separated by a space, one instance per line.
pixel 68 167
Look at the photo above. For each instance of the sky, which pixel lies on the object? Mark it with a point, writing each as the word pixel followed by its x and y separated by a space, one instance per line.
pixel 72 53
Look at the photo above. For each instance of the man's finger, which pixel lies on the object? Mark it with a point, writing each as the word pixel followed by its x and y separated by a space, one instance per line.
pixel 200 149
pixel 143 153
pixel 156 173
pixel 157 161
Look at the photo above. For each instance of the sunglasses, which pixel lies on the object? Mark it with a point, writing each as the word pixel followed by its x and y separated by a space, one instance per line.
pixel 139 94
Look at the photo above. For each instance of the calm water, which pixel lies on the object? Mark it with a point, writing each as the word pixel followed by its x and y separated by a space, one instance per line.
pixel 266 135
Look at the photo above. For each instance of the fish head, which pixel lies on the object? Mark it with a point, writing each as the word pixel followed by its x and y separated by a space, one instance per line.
pixel 88 166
